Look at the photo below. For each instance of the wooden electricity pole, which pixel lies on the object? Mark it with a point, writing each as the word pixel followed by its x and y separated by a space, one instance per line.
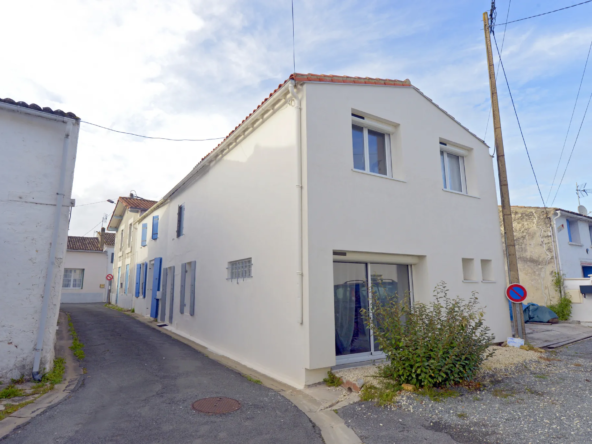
pixel 518 315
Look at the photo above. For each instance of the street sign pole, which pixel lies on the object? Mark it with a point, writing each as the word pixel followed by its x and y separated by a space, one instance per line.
pixel 514 278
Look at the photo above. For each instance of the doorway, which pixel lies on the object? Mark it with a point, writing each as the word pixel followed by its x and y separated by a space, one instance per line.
pixel 354 339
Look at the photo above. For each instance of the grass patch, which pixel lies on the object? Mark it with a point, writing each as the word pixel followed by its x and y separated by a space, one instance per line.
pixel 9 409
pixel 77 346
pixel 438 395
pixel 256 381
pixel 18 381
pixel 11 391
pixel 476 398
pixel 541 376
pixel 462 415
pixel 384 393
pixel 332 380
pixel 55 376
pixel 116 308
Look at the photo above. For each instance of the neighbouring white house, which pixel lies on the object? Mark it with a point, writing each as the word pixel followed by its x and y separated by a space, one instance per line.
pixel 554 240
pixel 334 191
pixel 126 212
pixel 38 147
pixel 85 271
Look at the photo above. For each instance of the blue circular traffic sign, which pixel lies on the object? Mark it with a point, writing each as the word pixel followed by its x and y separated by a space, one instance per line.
pixel 516 293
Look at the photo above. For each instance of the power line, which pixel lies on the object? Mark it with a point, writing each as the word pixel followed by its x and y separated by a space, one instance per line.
pixel 92 228
pixel 570 121
pixel 545 13
pixel 156 138
pixel 573 148
pixel 496 73
pixel 517 119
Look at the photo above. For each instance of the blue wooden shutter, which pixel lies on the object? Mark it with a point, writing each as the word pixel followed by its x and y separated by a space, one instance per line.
pixel 144 234
pixel 172 278
pixel 155 227
pixel 182 219
pixel 155 287
pixel 568 229
pixel 192 289
pixel 182 289
pixel 138 278
pixel 145 277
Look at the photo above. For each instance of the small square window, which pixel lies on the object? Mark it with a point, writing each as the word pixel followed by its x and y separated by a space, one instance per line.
pixel 73 278
pixel 241 269
pixel 573 231
pixel 453 172
pixel 468 266
pixel 487 270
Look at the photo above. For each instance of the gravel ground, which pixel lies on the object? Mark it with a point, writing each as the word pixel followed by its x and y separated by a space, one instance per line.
pixel 547 400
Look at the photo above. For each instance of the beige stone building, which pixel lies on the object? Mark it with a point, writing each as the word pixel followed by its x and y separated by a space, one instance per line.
pixel 547 241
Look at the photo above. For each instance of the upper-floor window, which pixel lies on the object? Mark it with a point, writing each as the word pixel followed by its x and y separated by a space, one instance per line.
pixel 573 232
pixel 180 220
pixel 453 170
pixel 371 146
pixel 73 278
pixel 129 235
pixel 112 254
pixel 121 239
pixel 144 234
pixel 154 227
pixel 590 229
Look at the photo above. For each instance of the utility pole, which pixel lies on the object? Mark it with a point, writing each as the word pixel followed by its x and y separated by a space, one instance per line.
pixel 517 313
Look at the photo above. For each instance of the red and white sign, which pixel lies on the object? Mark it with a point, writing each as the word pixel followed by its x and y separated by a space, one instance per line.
pixel 516 293
pixel 109 277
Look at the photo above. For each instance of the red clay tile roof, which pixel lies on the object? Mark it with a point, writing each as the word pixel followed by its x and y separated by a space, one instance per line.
pixel 136 203
pixel 36 107
pixel 80 243
pixel 328 78
pixel 109 238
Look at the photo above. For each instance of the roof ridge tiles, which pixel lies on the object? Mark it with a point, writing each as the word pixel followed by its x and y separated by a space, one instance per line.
pixel 34 106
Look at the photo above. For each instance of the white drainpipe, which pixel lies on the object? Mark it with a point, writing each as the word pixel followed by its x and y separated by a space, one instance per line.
pixel 52 255
pixel 299 187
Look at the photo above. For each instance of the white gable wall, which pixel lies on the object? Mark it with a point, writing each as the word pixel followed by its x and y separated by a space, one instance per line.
pixel 31 148
pixel 353 211
pixel 94 264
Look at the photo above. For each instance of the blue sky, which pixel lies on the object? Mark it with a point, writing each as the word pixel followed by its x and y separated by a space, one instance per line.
pixel 194 69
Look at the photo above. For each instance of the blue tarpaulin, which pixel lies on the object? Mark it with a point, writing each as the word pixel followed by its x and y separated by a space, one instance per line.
pixel 535 313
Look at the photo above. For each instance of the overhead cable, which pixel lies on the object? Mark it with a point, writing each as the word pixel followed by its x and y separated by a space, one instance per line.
pixel 517 119
pixel 545 13
pixel 570 121
pixel 150 137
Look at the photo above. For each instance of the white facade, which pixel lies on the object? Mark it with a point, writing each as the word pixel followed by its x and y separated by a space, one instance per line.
pixel 574 243
pixel 243 202
pixel 38 149
pixel 85 271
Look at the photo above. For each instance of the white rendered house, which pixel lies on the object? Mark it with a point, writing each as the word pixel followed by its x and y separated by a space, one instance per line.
pixel 267 250
pixel 38 148
pixel 85 271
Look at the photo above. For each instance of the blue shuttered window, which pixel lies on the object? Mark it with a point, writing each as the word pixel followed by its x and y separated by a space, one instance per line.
pixel 144 234
pixel 138 279
pixel 155 287
pixel 155 227
pixel 144 278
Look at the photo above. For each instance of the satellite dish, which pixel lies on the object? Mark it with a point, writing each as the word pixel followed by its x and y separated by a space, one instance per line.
pixel 582 210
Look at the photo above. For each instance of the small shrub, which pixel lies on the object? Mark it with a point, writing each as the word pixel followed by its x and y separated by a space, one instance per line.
pixel 332 380
pixel 430 345
pixel 11 391
pixel 562 308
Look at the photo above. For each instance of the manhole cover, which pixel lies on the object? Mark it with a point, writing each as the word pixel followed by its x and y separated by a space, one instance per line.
pixel 216 406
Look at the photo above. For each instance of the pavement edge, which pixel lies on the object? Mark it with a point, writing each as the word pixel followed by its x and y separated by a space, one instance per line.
pixel 71 381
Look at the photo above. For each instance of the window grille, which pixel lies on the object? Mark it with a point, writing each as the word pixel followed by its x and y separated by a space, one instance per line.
pixel 241 269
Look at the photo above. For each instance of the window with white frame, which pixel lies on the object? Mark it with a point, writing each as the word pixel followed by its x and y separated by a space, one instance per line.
pixel 573 231
pixel 371 146
pixel 73 278
pixel 453 169
pixel 242 269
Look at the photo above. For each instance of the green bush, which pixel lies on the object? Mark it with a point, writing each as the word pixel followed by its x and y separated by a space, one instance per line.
pixel 11 391
pixel 562 308
pixel 431 345
pixel 332 380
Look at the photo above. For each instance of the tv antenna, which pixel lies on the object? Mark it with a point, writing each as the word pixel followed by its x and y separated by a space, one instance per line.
pixel 582 192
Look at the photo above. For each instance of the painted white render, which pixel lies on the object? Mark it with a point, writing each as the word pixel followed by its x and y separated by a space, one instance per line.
pixel 242 202
pixel 577 253
pixel 33 146
pixel 94 264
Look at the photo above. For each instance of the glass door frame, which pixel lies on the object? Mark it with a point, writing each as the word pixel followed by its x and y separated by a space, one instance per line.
pixel 372 354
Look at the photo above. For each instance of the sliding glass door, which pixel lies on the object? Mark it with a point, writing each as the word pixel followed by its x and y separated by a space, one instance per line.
pixel 354 340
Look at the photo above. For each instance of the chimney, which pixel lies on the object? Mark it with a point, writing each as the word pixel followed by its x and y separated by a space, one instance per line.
pixel 102 238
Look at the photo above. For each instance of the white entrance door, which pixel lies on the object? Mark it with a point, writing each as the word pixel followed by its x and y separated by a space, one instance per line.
pixel 354 340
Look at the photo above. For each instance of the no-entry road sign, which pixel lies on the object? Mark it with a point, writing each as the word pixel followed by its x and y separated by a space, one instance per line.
pixel 109 277
pixel 516 293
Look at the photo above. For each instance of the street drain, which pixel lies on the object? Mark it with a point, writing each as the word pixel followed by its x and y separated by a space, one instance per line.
pixel 216 406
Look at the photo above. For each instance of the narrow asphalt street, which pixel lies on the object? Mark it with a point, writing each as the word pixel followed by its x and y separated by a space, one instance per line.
pixel 139 388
